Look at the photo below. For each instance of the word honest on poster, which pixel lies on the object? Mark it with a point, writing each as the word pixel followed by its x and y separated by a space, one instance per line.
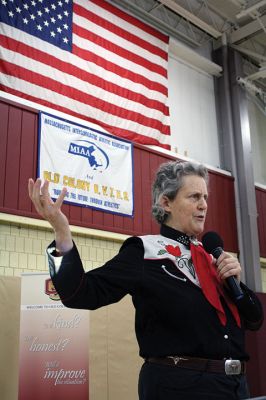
pixel 53 344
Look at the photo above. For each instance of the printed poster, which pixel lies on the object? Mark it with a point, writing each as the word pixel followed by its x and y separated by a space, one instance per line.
pixel 54 350
pixel 95 167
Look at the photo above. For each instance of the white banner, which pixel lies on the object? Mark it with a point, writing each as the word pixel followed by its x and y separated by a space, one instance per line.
pixel 95 167
pixel 54 344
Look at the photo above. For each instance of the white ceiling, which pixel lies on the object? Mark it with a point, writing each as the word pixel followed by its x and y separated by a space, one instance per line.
pixel 203 24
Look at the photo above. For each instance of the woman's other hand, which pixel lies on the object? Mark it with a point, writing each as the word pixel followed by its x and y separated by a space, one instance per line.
pixel 228 265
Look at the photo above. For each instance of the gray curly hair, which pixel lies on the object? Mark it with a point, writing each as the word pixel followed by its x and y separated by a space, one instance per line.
pixel 168 181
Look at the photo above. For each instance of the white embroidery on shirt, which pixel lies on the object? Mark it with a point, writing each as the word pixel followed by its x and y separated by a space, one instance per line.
pixel 174 276
pixel 155 247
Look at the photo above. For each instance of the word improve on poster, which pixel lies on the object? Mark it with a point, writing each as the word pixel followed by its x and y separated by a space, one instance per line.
pixel 54 353
pixel 95 168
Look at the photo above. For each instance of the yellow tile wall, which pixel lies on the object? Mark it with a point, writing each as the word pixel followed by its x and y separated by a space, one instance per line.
pixel 23 248
pixel 263 277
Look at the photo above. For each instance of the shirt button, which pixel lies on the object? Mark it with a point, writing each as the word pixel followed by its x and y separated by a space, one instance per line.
pixel 226 336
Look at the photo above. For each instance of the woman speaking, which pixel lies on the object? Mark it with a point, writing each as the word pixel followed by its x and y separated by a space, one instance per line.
pixel 189 327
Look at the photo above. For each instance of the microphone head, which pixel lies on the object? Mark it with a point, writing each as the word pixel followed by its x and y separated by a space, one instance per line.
pixel 211 241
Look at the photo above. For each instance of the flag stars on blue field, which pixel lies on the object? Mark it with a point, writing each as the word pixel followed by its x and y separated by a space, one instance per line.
pixel 48 21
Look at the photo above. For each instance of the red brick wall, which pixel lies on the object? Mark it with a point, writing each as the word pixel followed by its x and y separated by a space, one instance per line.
pixel 18 162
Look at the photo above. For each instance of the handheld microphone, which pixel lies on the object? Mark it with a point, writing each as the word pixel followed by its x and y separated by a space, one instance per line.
pixel 213 244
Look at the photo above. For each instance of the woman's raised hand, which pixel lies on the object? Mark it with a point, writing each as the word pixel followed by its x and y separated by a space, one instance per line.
pixel 51 211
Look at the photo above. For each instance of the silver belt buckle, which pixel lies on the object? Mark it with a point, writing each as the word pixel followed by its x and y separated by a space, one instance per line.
pixel 232 367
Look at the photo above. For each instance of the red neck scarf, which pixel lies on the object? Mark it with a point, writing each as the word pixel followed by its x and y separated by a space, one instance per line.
pixel 211 285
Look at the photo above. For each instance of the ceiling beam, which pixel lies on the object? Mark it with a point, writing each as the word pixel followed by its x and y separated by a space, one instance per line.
pixel 183 53
pixel 177 49
pixel 248 11
pixel 244 82
pixel 221 13
pixel 258 57
pixel 257 75
pixel 158 23
pixel 192 18
pixel 239 3
pixel 247 30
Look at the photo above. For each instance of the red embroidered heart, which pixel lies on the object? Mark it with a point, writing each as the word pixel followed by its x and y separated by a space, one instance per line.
pixel 173 250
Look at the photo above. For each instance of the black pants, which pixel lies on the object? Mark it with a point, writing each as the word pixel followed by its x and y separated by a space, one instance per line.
pixel 163 382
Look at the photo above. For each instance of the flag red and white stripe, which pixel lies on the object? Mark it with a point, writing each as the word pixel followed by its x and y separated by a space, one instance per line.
pixel 114 75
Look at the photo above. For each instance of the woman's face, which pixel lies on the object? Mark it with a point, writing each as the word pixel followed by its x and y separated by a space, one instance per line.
pixel 187 212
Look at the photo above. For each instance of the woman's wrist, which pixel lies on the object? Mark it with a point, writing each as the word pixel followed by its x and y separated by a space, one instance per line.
pixel 63 240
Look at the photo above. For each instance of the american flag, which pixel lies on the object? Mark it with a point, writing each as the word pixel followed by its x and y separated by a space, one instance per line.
pixel 88 59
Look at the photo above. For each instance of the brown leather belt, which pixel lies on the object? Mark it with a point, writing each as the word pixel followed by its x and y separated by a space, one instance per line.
pixel 228 367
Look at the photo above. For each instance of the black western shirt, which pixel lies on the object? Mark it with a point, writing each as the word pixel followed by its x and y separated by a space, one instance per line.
pixel 173 317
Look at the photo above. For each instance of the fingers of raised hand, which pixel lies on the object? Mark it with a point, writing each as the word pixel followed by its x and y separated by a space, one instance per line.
pixel 60 199
pixel 39 195
pixel 32 187
pixel 44 191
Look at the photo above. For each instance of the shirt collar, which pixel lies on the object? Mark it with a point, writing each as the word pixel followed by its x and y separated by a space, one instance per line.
pixel 174 234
